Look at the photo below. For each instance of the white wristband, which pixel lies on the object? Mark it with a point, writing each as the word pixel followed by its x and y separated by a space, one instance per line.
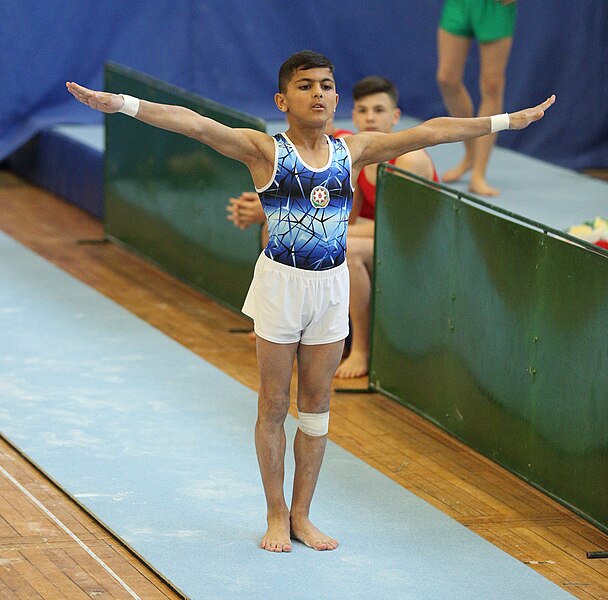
pixel 130 105
pixel 499 122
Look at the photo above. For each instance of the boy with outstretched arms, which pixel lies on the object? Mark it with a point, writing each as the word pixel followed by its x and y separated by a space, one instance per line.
pixel 299 295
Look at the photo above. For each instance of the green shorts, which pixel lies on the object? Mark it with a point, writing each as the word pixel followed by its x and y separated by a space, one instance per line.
pixel 484 20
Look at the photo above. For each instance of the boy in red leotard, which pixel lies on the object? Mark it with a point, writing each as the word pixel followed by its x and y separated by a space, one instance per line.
pixel 375 109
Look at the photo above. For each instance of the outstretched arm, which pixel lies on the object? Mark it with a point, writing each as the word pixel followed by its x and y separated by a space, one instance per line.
pixel 246 145
pixel 368 147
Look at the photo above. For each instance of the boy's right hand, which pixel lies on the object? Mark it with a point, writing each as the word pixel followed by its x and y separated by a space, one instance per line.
pixel 102 101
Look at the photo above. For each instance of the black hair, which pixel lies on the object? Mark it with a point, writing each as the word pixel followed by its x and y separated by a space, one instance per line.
pixel 375 85
pixel 304 60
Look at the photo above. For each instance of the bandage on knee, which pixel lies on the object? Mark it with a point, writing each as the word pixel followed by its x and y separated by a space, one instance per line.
pixel 314 424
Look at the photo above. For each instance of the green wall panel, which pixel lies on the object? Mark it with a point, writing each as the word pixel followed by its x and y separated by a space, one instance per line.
pixel 166 195
pixel 497 331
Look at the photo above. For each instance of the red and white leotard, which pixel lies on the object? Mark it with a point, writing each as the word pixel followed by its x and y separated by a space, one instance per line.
pixel 368 190
pixel 341 133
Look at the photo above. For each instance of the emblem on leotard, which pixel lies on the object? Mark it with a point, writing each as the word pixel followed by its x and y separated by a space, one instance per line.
pixel 319 197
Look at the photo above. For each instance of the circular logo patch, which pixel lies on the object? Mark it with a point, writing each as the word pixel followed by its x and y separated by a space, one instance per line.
pixel 319 197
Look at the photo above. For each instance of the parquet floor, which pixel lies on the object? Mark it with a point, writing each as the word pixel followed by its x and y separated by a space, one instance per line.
pixel 38 560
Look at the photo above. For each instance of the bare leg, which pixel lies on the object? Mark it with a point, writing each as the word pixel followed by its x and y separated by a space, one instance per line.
pixel 275 364
pixel 494 57
pixel 453 50
pixel 360 257
pixel 316 367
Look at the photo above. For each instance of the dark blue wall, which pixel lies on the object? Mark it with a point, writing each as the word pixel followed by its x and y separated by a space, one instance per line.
pixel 224 52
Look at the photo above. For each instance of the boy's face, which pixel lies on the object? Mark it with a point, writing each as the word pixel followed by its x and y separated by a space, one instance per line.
pixel 310 96
pixel 376 112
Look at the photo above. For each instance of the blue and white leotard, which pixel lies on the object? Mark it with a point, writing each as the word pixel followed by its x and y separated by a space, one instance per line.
pixel 308 208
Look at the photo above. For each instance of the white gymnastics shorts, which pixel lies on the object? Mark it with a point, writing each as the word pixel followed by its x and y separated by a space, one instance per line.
pixel 290 305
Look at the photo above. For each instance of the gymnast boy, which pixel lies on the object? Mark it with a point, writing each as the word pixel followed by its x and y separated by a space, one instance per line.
pixel 298 298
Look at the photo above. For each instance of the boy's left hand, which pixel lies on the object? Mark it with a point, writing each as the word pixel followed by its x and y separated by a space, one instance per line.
pixel 523 118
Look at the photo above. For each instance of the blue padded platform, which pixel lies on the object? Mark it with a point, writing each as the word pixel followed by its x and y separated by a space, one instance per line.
pixel 548 194
pixel 68 161
pixel 159 445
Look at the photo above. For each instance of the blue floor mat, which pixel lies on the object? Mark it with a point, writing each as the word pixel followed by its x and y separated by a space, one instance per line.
pixel 159 445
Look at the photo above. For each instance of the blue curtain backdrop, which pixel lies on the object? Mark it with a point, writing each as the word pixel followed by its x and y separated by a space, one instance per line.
pixel 230 52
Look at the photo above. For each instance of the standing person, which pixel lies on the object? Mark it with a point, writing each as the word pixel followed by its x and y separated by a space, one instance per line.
pixel 491 23
pixel 375 108
pixel 299 295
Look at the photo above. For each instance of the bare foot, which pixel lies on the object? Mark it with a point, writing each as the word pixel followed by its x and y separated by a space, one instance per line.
pixel 458 171
pixel 481 187
pixel 277 538
pixel 355 365
pixel 302 529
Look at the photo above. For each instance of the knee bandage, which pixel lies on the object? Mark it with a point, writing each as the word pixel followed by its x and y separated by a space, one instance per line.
pixel 315 424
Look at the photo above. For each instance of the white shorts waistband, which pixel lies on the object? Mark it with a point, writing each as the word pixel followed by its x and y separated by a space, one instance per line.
pixel 304 274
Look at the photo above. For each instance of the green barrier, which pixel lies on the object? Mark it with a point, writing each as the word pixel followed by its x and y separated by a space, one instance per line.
pixel 166 195
pixel 495 328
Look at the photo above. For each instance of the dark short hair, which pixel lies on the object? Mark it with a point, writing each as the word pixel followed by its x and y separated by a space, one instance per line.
pixel 304 60
pixel 375 85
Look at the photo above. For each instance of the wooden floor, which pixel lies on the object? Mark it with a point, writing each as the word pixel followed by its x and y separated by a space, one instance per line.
pixel 38 558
